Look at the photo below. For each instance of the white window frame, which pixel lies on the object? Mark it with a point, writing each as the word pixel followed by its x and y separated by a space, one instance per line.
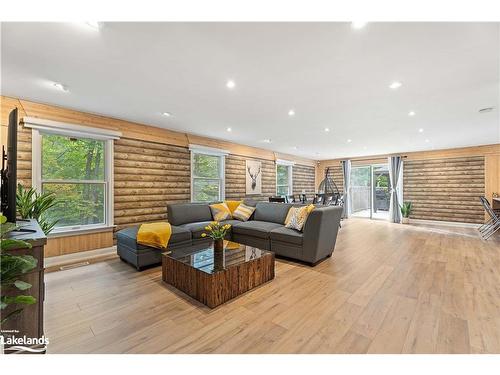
pixel 289 164
pixel 203 150
pixel 40 127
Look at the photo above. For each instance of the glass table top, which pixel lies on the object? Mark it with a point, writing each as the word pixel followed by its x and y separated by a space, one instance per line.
pixel 204 259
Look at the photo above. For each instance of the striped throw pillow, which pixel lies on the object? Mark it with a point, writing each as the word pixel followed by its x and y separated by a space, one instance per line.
pixel 243 212
pixel 220 211
pixel 298 219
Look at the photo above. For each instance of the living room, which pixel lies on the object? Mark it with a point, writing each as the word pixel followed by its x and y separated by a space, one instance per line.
pixel 250 187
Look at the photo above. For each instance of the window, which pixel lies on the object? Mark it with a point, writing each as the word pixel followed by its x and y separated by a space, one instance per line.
pixel 284 178
pixel 76 167
pixel 207 174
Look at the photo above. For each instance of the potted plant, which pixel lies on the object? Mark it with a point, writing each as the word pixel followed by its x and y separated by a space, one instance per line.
pixel 405 212
pixel 11 268
pixel 33 205
pixel 217 232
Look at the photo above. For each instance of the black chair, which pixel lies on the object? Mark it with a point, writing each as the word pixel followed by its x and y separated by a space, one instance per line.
pixel 329 200
pixel 493 224
pixel 319 199
pixel 277 199
pixel 291 199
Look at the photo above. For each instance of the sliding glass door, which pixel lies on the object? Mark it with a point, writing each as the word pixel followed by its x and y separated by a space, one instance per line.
pixel 370 191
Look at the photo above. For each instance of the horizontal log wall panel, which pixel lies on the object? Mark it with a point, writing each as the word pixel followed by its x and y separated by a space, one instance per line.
pixel 235 178
pixel 445 189
pixel 147 177
pixel 303 179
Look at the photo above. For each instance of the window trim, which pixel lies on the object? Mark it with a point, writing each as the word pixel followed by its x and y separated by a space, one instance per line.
pixel 221 154
pixel 289 165
pixel 40 127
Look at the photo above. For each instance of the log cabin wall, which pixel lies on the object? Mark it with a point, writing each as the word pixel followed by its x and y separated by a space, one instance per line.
pixel 445 189
pixel 147 177
pixel 303 179
pixel 235 178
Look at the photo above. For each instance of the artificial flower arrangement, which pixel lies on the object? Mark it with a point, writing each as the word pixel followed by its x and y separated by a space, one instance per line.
pixel 217 232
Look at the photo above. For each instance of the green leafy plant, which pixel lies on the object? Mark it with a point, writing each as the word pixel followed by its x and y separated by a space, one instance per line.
pixel 11 268
pixel 33 205
pixel 216 230
pixel 406 209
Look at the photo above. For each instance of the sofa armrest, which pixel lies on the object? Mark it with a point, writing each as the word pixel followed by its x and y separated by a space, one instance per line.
pixel 320 233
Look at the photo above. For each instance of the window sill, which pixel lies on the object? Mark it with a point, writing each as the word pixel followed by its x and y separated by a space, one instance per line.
pixel 75 232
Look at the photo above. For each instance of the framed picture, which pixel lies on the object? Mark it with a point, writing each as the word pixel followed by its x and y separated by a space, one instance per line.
pixel 253 177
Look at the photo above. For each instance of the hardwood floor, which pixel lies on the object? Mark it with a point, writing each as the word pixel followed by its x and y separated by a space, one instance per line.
pixel 387 289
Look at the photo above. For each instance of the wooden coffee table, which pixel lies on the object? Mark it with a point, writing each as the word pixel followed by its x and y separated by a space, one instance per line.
pixel 217 277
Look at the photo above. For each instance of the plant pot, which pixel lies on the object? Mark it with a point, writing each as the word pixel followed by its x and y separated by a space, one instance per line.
pixel 218 245
pixel 405 220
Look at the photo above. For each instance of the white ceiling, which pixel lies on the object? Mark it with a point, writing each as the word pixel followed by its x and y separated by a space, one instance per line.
pixel 330 74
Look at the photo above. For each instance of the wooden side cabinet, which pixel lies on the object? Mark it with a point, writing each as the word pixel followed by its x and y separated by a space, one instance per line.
pixel 29 322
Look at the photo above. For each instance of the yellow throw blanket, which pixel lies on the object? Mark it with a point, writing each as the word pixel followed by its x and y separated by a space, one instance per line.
pixel 154 234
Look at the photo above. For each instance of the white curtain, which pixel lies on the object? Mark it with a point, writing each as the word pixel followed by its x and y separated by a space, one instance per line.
pixel 346 170
pixel 395 168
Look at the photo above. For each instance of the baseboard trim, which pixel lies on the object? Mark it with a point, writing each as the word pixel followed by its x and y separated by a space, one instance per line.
pixel 444 223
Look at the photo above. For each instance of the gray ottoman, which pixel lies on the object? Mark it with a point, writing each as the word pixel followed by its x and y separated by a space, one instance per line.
pixel 141 256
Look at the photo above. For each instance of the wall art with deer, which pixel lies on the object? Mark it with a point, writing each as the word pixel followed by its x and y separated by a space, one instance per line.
pixel 253 177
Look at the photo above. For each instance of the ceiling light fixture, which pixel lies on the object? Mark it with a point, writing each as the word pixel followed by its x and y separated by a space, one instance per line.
pixel 427 141
pixel 421 130
pixel 266 141
pixel 229 129
pixel 291 112
pixel 327 130
pixel 230 84
pixel 411 113
pixel 60 86
pixel 395 85
pixel 166 114
pixel 349 140
pixel 358 25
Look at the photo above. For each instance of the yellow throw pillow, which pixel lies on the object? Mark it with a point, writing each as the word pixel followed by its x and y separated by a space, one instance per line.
pixel 233 205
pixel 243 212
pixel 220 212
pixel 292 211
pixel 299 217
pixel 154 234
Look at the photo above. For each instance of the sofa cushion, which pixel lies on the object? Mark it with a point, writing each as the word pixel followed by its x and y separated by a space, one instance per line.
pixel 196 228
pixel 272 212
pixel 287 235
pixel 129 236
pixel 255 228
pixel 182 213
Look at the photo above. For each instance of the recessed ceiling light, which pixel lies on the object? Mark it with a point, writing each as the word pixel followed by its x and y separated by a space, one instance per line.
pixel 229 129
pixel 358 25
pixel 395 85
pixel 349 140
pixel 93 24
pixel 230 84
pixel 266 141
pixel 291 112
pixel 327 130
pixel 411 113
pixel 427 141
pixel 295 147
pixel 364 148
pixel 421 130
pixel 166 114
pixel 60 86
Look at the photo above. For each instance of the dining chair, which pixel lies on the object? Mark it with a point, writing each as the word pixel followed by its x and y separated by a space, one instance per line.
pixel 492 225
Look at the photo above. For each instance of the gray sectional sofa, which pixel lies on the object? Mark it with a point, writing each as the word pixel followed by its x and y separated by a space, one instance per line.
pixel 265 230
